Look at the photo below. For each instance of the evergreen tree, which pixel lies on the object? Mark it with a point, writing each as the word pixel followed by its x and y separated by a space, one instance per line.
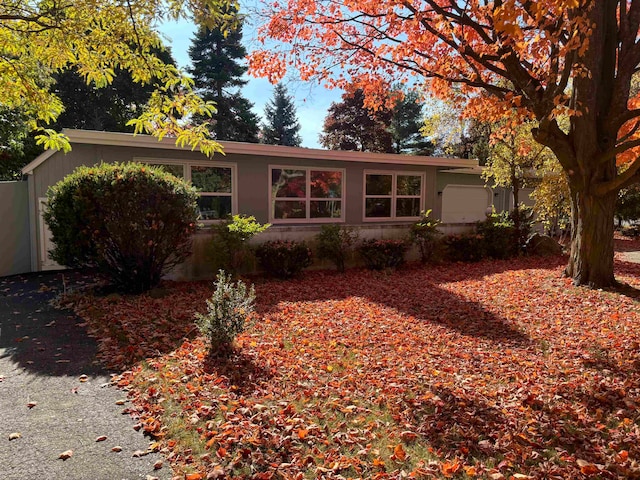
pixel 406 122
pixel 17 144
pixel 281 123
pixel 217 74
pixel 351 126
pixel 108 108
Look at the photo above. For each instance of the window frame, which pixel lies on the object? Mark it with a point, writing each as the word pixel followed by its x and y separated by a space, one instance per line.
pixel 187 176
pixel 307 198
pixel 394 194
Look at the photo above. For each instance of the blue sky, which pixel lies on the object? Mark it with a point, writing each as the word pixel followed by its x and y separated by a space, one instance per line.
pixel 311 100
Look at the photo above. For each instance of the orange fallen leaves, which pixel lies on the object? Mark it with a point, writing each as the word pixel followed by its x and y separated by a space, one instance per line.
pixel 434 369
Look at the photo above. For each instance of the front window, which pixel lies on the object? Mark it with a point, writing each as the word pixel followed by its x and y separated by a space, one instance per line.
pixel 214 184
pixel 306 194
pixel 393 195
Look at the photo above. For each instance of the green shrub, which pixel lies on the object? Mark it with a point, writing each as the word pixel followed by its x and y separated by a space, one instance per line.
pixel 464 248
pixel 230 243
pixel 227 312
pixel 283 259
pixel 381 254
pixel 499 235
pixel 424 233
pixel 131 221
pixel 335 243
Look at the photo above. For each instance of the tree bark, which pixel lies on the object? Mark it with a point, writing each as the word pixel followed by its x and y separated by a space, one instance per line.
pixel 591 258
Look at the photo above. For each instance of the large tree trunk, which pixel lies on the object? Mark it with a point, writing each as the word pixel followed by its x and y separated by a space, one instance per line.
pixel 591 260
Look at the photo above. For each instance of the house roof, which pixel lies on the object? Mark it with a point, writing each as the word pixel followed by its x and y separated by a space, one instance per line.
pixel 278 151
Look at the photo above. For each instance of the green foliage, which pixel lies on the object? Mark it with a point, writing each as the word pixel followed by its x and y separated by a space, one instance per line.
pixel 335 243
pixel 283 259
pixel 96 39
pixel 281 123
pixel 467 247
pixel 381 254
pixel 130 221
pixel 424 234
pixel 105 109
pixel 406 122
pixel 17 145
pixel 628 205
pixel 523 220
pixel 218 76
pixel 498 235
pixel 230 242
pixel 227 312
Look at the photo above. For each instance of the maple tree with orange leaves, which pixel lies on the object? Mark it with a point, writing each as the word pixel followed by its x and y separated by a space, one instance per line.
pixel 546 59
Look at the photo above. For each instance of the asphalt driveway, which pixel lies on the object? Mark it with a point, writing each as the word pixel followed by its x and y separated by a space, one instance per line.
pixel 54 397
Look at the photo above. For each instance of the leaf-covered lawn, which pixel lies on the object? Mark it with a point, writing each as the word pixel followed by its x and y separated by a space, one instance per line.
pixel 489 370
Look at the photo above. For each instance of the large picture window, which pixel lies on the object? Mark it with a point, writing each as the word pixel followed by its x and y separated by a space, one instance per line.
pixel 304 194
pixel 392 195
pixel 215 184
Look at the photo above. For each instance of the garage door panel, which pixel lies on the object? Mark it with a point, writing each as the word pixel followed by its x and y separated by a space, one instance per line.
pixel 465 203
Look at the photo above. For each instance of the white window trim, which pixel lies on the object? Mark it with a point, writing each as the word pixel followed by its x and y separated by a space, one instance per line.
pixel 186 172
pixel 307 199
pixel 394 197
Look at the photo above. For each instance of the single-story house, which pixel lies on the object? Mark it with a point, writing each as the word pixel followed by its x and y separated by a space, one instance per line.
pixel 297 190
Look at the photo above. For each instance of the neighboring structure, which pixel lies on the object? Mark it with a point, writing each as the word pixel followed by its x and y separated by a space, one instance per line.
pixel 295 189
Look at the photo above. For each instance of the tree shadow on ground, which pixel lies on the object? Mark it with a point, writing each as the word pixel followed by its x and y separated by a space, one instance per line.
pixel 236 371
pixel 464 425
pixel 434 303
pixel 39 337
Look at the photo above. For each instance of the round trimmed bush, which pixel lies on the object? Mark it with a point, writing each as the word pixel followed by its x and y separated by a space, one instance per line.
pixel 131 222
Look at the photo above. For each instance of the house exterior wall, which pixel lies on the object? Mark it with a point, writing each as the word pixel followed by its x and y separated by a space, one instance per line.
pixel 15 238
pixel 253 188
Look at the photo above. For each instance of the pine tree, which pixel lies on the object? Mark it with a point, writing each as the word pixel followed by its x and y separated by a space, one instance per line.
pixel 281 123
pixel 217 74
pixel 406 122
pixel 108 108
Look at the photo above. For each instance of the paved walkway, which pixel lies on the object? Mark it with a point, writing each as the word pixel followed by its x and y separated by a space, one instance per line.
pixel 56 397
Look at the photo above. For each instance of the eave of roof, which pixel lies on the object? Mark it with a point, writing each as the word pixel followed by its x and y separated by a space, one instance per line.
pixel 278 151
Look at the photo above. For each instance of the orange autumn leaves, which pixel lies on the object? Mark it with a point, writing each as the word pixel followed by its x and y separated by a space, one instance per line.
pixel 494 370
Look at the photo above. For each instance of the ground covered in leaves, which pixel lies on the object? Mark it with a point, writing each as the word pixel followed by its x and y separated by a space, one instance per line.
pixel 498 369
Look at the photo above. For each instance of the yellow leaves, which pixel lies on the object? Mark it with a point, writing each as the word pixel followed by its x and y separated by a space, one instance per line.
pixel 96 40
pixel 52 140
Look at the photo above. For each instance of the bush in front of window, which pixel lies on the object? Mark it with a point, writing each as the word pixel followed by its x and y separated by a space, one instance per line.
pixel 230 243
pixel 335 243
pixel 131 222
pixel 424 233
pixel 381 254
pixel 283 259
pixel 227 312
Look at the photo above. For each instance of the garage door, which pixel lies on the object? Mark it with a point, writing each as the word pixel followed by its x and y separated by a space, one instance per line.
pixel 46 263
pixel 465 203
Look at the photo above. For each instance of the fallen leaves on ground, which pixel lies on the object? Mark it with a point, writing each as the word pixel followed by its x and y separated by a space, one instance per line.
pixel 66 454
pixel 498 369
